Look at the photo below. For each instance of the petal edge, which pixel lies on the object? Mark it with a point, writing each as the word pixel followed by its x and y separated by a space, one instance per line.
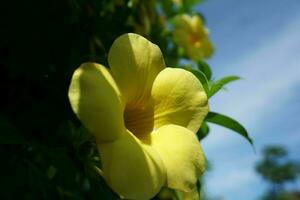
pixel 181 154
pixel 179 98
pixel 134 63
pixel 95 99
pixel 132 169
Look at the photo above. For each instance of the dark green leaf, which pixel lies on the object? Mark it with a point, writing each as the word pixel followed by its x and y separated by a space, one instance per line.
pixel 204 67
pixel 202 78
pixel 219 84
pixel 203 131
pixel 167 8
pixel 229 123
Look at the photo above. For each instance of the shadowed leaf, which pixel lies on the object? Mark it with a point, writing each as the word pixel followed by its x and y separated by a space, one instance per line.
pixel 203 131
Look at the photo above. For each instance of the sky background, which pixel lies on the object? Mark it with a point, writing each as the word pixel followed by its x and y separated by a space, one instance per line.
pixel 258 40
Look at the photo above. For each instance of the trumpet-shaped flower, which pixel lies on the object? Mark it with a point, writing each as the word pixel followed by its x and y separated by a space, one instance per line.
pixel 190 33
pixel 144 117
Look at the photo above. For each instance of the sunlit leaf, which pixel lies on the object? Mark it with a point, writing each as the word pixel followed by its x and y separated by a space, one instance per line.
pixel 204 67
pixel 229 123
pixel 219 84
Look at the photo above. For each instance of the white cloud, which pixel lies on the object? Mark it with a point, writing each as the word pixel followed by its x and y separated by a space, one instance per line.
pixel 271 73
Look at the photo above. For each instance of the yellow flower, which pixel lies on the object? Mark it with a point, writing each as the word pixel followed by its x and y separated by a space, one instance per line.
pixel 177 2
pixel 144 117
pixel 190 33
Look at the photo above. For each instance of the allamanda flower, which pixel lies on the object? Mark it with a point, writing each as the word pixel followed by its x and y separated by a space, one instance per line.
pixel 191 34
pixel 144 117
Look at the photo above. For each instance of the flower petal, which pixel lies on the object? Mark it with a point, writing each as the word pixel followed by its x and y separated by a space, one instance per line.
pixel 179 98
pixel 132 169
pixel 192 35
pixel 203 49
pixel 181 36
pixel 197 26
pixel 182 29
pixel 183 22
pixel 181 154
pixel 192 195
pixel 134 63
pixel 95 99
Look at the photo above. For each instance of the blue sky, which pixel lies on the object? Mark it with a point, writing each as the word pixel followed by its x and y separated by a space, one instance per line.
pixel 258 40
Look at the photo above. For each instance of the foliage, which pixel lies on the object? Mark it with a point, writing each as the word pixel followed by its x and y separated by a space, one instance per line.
pixel 283 196
pixel 229 123
pixel 277 169
pixel 45 151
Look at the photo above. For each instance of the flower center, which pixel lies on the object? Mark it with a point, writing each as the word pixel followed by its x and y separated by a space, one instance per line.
pixel 139 120
pixel 194 40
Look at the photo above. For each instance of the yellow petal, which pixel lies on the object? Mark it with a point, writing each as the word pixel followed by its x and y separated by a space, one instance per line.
pixel 183 22
pixel 192 195
pixel 95 100
pixel 167 194
pixel 201 49
pixel 197 26
pixel 179 98
pixel 134 63
pixel 192 35
pixel 182 29
pixel 133 170
pixel 194 52
pixel 208 48
pixel 181 154
pixel 181 36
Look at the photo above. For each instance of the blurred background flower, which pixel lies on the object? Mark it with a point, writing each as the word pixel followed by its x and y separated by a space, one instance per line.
pixel 191 34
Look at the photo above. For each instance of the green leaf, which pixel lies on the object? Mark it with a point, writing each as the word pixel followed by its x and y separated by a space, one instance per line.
pixel 219 84
pixel 202 78
pixel 167 8
pixel 188 4
pixel 203 131
pixel 204 67
pixel 229 123
pixel 51 171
